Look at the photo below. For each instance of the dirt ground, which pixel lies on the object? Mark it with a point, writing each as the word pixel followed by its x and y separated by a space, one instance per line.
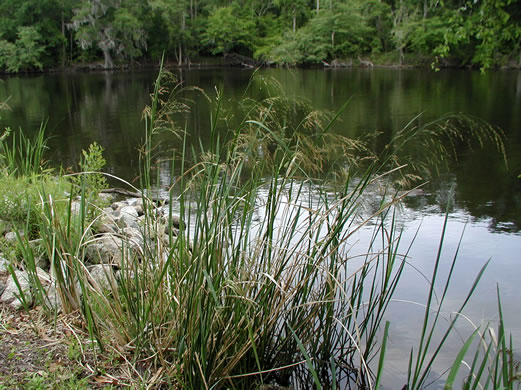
pixel 37 352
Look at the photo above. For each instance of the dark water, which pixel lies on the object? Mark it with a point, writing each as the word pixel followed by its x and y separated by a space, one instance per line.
pixel 107 108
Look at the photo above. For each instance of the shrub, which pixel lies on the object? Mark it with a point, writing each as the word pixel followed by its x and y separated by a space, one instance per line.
pixel 91 164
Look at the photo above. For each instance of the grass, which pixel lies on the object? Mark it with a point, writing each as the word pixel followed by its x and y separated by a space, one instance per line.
pixel 260 284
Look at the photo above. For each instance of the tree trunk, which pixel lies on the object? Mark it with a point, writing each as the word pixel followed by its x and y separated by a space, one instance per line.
pixel 108 59
pixel 294 20
pixel 64 49
pixel 318 6
pixel 518 86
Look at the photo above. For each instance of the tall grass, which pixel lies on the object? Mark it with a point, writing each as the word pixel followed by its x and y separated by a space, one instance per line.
pixel 22 155
pixel 260 285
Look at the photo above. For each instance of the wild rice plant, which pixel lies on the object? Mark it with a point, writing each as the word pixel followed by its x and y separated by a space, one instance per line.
pixel 428 147
pixel 256 287
pixel 493 365
pixel 428 349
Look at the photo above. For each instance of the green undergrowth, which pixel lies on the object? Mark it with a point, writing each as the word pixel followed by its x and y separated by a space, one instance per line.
pixel 28 185
pixel 260 284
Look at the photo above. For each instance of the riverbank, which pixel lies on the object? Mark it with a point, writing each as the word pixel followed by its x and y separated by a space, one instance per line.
pixel 390 60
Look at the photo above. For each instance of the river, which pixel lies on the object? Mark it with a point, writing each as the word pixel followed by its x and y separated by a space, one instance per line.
pixel 107 107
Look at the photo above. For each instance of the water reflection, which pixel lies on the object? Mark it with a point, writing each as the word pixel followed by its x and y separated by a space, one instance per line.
pixel 106 107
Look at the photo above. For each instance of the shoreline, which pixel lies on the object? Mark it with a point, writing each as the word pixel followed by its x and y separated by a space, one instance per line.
pixel 243 62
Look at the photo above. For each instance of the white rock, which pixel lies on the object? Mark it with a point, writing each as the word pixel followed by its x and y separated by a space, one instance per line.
pixel 110 249
pixel 128 218
pixel 106 249
pixel 11 236
pixel 3 264
pixel 106 197
pixel 75 207
pixel 11 293
pixel 102 275
pixel 137 203
pixel 119 205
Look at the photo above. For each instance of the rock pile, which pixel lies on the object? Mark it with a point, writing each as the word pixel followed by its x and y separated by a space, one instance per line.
pixel 118 234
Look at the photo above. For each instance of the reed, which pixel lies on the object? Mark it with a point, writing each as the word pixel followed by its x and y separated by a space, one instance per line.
pixel 22 155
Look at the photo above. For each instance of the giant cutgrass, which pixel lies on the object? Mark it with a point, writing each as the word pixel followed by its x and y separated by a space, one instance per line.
pixel 260 284
pixel 256 286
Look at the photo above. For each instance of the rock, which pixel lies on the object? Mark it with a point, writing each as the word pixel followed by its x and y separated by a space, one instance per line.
pixel 3 264
pixel 134 235
pixel 126 217
pixel 106 222
pixel 75 207
pixel 102 275
pixel 105 249
pixel 45 278
pixel 42 262
pixel 11 294
pixel 177 223
pixel 109 249
pixel 105 228
pixel 116 206
pixel 137 203
pixel 11 236
pixel 106 197
pixel 53 300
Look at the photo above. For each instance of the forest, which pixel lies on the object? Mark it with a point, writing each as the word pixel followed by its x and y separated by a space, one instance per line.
pixel 37 35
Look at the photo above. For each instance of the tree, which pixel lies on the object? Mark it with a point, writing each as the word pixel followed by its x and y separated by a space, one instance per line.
pixel 228 30
pixel 497 29
pixel 25 53
pixel 344 30
pixel 485 33
pixel 294 9
pixel 113 28
pixel 42 15
pixel 174 15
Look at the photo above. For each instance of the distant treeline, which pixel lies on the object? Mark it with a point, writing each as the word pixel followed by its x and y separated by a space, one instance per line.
pixel 44 34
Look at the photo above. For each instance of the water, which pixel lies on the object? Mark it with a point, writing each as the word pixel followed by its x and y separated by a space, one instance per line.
pixel 486 193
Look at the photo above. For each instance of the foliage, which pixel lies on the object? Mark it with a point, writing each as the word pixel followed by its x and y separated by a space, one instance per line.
pixel 489 32
pixel 226 31
pixel 21 202
pixel 345 30
pixel 46 17
pixel 91 180
pixel 483 33
pixel 110 26
pixel 21 155
pixel 24 54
